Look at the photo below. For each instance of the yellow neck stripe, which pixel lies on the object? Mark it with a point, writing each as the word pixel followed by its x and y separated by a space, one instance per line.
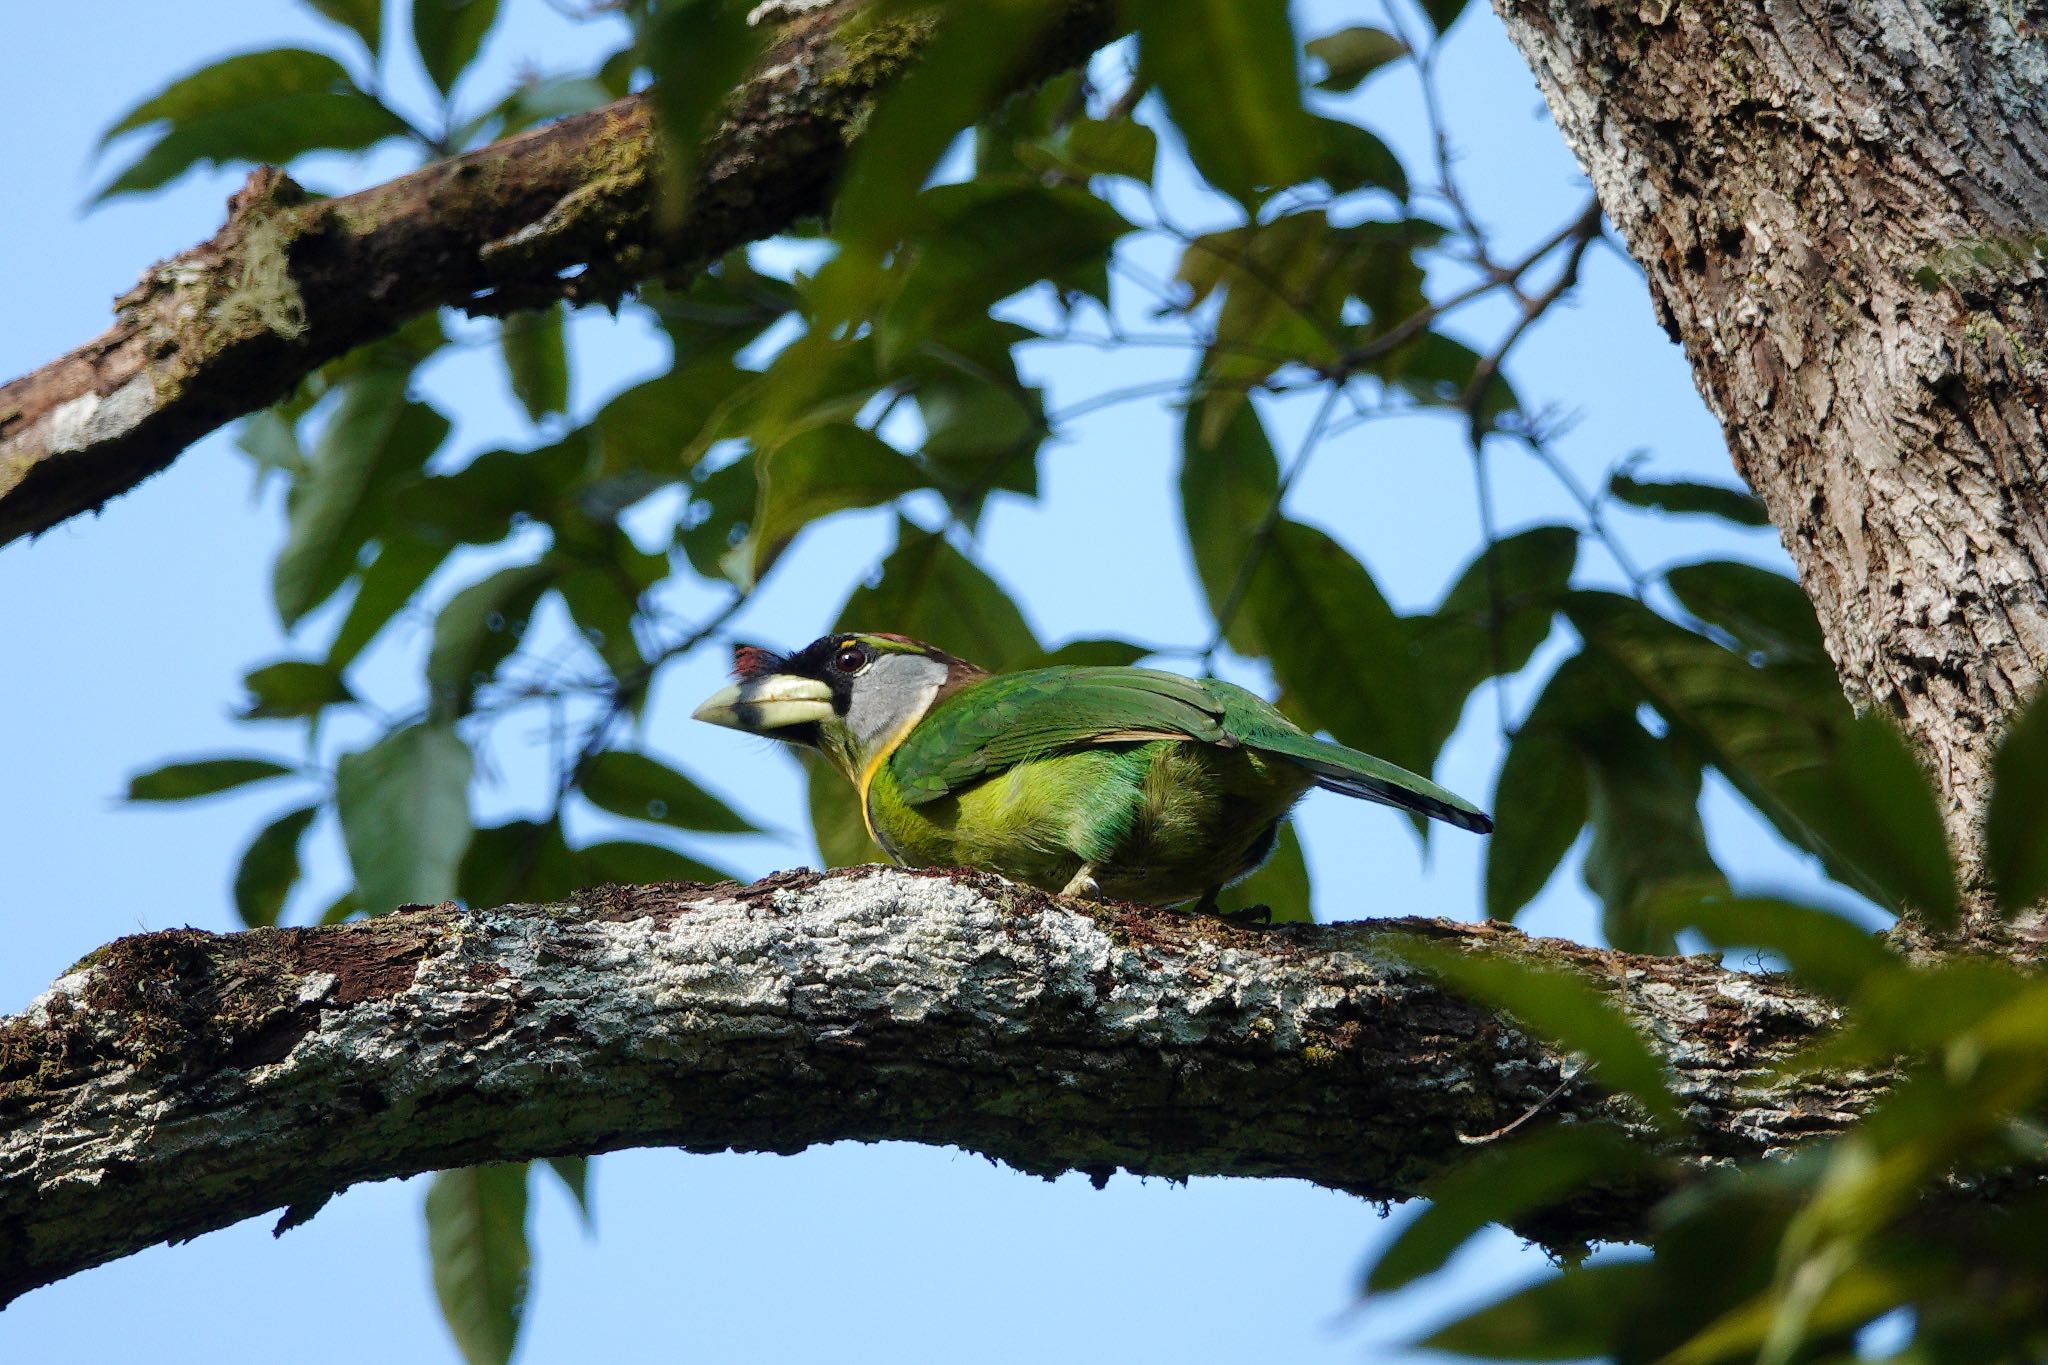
pixel 867 777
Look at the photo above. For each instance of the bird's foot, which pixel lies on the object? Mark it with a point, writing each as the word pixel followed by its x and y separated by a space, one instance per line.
pixel 1251 914
pixel 1083 885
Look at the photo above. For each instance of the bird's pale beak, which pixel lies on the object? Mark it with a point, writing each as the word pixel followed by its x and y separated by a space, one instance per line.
pixel 764 705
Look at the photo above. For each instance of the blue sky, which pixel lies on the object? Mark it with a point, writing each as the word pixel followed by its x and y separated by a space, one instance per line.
pixel 127 634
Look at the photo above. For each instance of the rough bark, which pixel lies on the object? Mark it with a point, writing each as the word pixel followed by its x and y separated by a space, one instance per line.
pixel 1842 210
pixel 566 210
pixel 179 1081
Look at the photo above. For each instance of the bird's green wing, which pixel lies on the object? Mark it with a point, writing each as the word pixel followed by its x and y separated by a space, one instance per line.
pixel 995 725
pixel 1257 724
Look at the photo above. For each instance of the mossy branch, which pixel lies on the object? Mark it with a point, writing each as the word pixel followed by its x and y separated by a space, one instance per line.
pixel 562 211
pixel 179 1081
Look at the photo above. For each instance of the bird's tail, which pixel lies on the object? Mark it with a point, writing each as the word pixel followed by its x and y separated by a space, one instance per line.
pixel 1340 769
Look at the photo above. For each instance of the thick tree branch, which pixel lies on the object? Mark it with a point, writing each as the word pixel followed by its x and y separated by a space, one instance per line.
pixel 565 210
pixel 179 1081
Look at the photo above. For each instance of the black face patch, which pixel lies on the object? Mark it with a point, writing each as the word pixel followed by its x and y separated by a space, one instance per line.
pixel 816 660
pixel 749 717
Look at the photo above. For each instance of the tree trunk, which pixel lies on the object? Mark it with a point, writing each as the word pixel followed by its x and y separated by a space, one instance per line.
pixel 177 1082
pixel 1843 210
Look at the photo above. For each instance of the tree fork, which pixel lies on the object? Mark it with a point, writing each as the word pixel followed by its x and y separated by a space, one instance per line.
pixel 561 211
pixel 180 1081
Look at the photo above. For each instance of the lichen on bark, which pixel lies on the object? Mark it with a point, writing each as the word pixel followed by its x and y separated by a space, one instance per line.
pixel 223 1075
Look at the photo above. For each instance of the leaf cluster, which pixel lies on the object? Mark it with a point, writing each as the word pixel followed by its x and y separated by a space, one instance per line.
pixel 892 370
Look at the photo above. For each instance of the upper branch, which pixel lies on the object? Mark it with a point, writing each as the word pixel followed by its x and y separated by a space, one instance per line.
pixel 180 1081
pixel 565 210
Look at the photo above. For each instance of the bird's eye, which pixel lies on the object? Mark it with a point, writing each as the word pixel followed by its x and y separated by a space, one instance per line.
pixel 850 659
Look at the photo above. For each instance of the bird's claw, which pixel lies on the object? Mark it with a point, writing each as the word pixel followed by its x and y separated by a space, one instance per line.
pixel 1083 886
pixel 1250 914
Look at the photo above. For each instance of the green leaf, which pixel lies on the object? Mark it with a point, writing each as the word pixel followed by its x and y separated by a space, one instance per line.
pixel 1849 1297
pixel 1764 611
pixel 536 101
pixel 814 380
pixel 1443 13
pixel 447 34
pixel 1092 654
pixel 1351 54
pixel 536 360
pixel 1868 801
pixel 604 602
pixel 1844 789
pixel 1500 1185
pixel 1022 133
pixel 1820 948
pixel 341 909
pixel 1124 147
pixel 401 568
pixel 240 82
pixel 1647 837
pixel 699 51
pixel 269 866
pixel 271 440
pixel 520 861
pixel 364 18
pixel 574 1172
pixel 1572 1315
pixel 930 591
pixel 1680 497
pixel 480 503
pixel 715 519
pixel 371 439
pixel 981 434
pixel 625 862
pixel 642 788
pixel 291 688
pixel 1284 284
pixel 270 134
pixel 662 425
pixel 1349 158
pixel 479 628
pixel 476 1239
pixel 817 472
pixel 1226 70
pixel 1913 1010
pixel 960 73
pixel 1336 645
pixel 1440 370
pixel 256 107
pixel 975 244
pixel 202 777
pixel 404 807
pixel 1491 622
pixel 1539 805
pixel 725 306
pixel 1280 884
pixel 1560 1008
pixel 2016 827
pixel 1229 485
pixel 836 823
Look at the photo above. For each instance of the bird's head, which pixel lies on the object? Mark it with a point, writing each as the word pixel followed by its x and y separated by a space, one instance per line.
pixel 852 695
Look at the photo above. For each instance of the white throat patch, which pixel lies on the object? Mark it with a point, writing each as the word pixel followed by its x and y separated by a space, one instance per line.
pixel 891 694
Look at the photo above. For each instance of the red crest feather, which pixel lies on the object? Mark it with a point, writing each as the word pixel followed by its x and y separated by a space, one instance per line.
pixel 751 661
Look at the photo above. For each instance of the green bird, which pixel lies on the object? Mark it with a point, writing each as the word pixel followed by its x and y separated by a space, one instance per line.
pixel 1128 783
